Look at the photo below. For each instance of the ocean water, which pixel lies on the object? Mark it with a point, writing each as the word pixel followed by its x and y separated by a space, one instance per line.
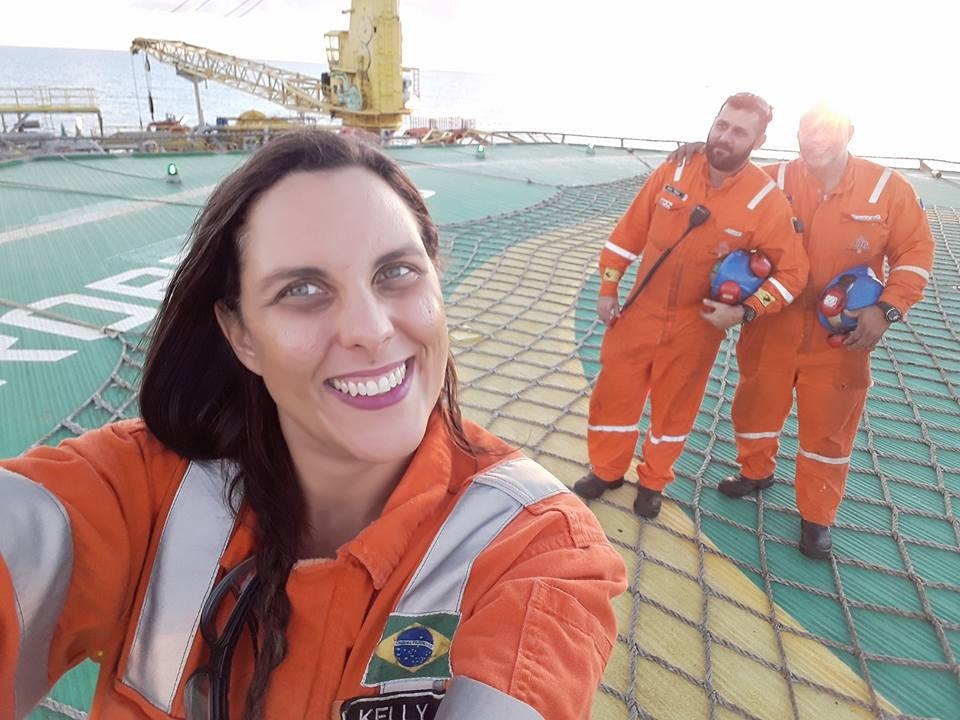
pixel 122 86
pixel 560 100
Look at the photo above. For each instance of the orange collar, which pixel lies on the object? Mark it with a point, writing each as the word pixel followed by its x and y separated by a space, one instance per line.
pixel 438 469
pixel 421 490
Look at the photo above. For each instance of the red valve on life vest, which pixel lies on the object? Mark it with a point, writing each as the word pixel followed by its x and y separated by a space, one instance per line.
pixel 729 292
pixel 833 301
pixel 760 264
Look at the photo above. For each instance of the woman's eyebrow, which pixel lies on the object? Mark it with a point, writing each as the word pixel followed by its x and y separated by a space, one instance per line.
pixel 312 271
pixel 407 251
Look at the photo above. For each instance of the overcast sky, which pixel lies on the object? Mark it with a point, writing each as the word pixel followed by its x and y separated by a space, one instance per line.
pixel 834 36
pixel 890 63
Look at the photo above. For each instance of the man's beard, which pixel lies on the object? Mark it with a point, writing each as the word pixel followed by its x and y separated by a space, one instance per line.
pixel 726 163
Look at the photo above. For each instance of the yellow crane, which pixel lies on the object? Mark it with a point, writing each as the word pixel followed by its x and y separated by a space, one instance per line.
pixel 366 87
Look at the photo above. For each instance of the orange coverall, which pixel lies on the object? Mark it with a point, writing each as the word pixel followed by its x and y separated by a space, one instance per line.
pixel 872 214
pixel 536 618
pixel 661 345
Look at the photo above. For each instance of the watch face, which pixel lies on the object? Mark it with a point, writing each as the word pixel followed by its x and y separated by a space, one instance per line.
pixel 893 315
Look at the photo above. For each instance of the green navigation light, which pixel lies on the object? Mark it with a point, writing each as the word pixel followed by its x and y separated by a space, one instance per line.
pixel 173 174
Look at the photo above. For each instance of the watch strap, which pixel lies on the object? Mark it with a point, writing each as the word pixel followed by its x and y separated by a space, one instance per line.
pixel 890 312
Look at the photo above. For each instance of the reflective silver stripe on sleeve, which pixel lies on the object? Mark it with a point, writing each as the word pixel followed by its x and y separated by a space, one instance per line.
pixel 881 184
pixel 678 173
pixel 195 534
pixel 752 205
pixel 782 176
pixel 620 251
pixel 492 500
pixel 469 699
pixel 37 547
pixel 914 269
pixel 784 293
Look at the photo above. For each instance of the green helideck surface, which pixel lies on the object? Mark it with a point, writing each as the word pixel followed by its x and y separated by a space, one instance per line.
pixel 521 229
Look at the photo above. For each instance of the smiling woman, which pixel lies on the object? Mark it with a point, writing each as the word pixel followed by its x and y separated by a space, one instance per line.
pixel 339 297
pixel 302 525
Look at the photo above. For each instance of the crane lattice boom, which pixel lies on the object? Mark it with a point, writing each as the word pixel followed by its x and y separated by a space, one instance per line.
pixel 291 90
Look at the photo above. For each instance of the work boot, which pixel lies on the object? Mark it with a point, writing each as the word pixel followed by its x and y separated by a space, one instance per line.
pixel 647 503
pixel 590 487
pixel 737 486
pixel 815 540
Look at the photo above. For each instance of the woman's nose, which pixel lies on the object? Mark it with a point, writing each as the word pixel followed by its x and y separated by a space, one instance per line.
pixel 365 321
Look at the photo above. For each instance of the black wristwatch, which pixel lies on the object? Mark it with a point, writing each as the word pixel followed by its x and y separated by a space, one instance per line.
pixel 891 313
pixel 748 314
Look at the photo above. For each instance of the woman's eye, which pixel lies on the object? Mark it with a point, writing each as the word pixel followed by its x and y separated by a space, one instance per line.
pixel 396 272
pixel 303 289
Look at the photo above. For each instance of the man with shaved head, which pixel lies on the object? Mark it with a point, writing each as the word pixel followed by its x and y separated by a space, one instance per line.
pixel 852 212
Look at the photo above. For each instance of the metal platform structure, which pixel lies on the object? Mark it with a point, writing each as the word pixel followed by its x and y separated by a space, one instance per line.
pixel 22 102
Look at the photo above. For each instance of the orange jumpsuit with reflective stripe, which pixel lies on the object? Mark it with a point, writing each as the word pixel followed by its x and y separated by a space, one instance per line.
pixel 536 616
pixel 661 345
pixel 872 215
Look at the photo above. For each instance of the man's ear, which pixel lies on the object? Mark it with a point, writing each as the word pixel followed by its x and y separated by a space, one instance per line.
pixel 231 324
pixel 760 141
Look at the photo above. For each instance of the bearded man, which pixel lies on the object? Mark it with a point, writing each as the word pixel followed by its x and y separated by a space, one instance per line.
pixel 663 341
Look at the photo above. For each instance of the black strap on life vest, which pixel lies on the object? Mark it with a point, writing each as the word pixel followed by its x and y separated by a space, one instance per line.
pixel 698 216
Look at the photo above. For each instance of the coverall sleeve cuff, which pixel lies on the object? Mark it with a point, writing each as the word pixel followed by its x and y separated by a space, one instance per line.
pixel 608 289
pixel 755 305
pixel 893 299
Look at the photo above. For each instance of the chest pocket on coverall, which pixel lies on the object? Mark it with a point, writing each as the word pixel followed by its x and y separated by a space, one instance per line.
pixel 863 240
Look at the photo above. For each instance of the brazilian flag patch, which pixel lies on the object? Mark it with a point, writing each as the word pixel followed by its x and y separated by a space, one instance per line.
pixel 612 275
pixel 765 297
pixel 413 646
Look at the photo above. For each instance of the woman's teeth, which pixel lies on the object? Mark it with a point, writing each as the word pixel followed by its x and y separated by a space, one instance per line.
pixel 372 386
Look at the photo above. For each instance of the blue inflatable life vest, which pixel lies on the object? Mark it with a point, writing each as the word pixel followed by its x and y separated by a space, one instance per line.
pixel 852 289
pixel 739 275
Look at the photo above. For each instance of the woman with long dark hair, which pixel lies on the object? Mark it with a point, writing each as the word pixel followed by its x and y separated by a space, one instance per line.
pixel 302 524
